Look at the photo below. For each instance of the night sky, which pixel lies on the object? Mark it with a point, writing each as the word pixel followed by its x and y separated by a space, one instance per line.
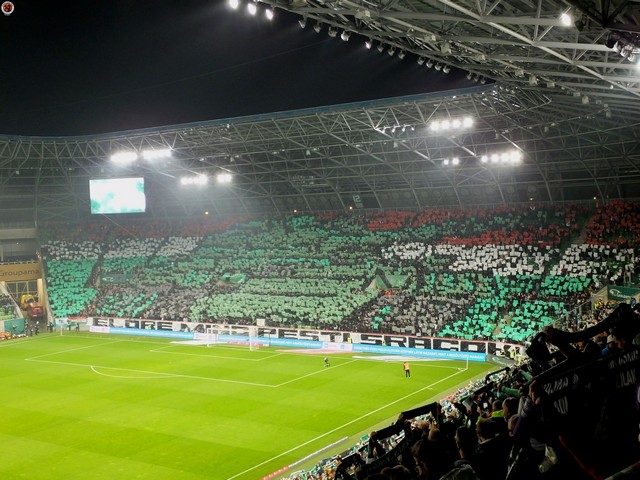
pixel 88 67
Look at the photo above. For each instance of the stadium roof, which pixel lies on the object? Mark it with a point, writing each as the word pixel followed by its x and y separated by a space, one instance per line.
pixel 561 96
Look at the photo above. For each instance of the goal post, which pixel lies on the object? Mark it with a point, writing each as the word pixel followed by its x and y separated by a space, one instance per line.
pixel 227 334
pixel 211 336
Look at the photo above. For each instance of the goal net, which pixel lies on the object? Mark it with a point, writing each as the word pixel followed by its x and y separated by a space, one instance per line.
pixel 229 334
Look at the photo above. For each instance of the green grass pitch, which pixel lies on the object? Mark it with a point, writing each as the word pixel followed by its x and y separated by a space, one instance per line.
pixel 79 405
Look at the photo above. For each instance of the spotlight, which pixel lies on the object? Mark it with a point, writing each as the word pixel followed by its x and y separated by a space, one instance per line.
pixel 380 48
pixel 429 63
pixel 484 159
pixel 438 67
pixel 252 8
pixel 446 161
pixel 124 157
pixel 317 27
pixel 420 60
pixel 302 22
pixel 469 75
pixel 368 44
pixel 156 154
pixel 483 80
pixel 566 19
pixel 345 36
pixel 455 161
pixel 332 32
pixel 269 13
pixel 401 54
pixel 234 4
pixel 446 68
pixel 391 51
pixel 224 178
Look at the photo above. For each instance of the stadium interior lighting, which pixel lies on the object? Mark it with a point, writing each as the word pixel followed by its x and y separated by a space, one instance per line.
pixel 391 51
pixel 332 32
pixel 446 161
pixel 194 180
pixel 303 22
pixel 451 124
pixel 345 36
pixel 156 154
pixel 438 67
pixel 455 160
pixel 124 157
pixel 429 63
pixel 224 178
pixel 269 13
pixel 368 43
pixel 252 8
pixel 234 4
pixel 380 47
pixel 420 60
pixel 446 68
pixel 317 27
pixel 509 157
pixel 566 19
pixel 402 54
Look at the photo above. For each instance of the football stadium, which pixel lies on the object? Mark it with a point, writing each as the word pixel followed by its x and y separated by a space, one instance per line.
pixel 440 285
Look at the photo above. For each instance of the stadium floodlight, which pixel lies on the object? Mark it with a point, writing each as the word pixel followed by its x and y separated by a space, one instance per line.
pixel 224 178
pixel 124 157
pixel 566 19
pixel 484 159
pixel 368 43
pixel 467 122
pixel 252 8
pixel 154 154
pixel 303 22
pixel 269 13
pixel 456 123
pixel 455 161
pixel 446 161
pixel 317 27
pixel 345 36
pixel 234 4
pixel 332 32
pixel 194 180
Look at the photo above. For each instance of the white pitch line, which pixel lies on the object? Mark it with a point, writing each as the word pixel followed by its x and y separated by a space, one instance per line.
pixel 323 370
pixel 160 374
pixel 162 350
pixel 342 426
pixel 71 350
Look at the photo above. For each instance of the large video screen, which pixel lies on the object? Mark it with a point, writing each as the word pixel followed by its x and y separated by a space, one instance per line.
pixel 117 195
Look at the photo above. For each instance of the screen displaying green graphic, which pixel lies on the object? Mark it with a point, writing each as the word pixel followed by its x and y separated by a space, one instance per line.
pixel 117 195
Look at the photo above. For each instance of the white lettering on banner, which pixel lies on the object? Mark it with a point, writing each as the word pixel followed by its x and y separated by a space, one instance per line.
pixel 626 378
pixel 556 385
pixel 349 338
pixel 561 405
pixel 283 333
pixel 371 339
pixel 623 359
pixel 415 342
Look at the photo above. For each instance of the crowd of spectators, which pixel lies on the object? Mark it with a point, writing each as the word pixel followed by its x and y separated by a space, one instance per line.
pixel 322 271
